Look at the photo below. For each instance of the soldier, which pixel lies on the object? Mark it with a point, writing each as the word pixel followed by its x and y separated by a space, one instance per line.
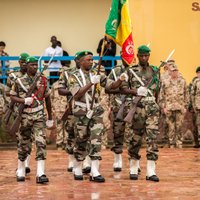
pixel 145 119
pixel 58 107
pixel 174 102
pixel 32 119
pixel 195 99
pixel 88 122
pixel 15 76
pixel 116 99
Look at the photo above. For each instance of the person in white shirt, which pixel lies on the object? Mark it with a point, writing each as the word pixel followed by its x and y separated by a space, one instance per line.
pixel 55 65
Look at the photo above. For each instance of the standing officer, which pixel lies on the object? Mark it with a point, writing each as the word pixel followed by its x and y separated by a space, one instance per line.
pixel 116 99
pixel 88 122
pixel 15 76
pixel 174 103
pixel 32 119
pixel 145 119
pixel 195 98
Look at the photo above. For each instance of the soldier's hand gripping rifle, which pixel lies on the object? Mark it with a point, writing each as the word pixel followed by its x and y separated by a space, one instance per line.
pixel 137 99
pixel 16 124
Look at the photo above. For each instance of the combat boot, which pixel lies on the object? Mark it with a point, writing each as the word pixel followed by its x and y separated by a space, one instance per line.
pixel 41 177
pixel 86 165
pixel 70 163
pixel 151 174
pixel 20 171
pixel 134 168
pixel 27 162
pixel 78 175
pixel 95 175
pixel 117 165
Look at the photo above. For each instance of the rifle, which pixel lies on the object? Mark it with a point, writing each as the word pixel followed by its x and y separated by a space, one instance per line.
pixel 137 99
pixel 16 123
pixel 120 114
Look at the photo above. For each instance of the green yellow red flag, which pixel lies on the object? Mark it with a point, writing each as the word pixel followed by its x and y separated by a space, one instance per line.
pixel 119 29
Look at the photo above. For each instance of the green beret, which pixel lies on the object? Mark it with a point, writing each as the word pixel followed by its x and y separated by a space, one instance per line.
pixel 31 59
pixel 81 54
pixel 23 56
pixel 143 49
pixel 198 69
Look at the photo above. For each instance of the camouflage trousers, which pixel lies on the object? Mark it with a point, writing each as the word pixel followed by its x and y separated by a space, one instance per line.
pixel 118 133
pixel 32 127
pixel 174 120
pixel 88 135
pixel 197 124
pixel 60 132
pixel 70 136
pixel 145 121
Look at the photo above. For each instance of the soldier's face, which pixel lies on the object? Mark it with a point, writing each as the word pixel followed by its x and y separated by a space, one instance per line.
pixel 174 73
pixel 32 68
pixel 86 62
pixel 143 58
pixel 198 74
pixel 22 65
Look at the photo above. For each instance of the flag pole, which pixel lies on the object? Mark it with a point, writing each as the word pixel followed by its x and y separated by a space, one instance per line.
pixel 98 71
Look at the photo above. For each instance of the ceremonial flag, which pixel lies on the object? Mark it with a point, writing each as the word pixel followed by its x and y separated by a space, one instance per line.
pixel 118 28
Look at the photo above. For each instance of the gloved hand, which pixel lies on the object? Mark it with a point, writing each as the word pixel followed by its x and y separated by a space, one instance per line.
pixel 95 79
pixel 28 101
pixel 123 77
pixel 142 91
pixel 49 123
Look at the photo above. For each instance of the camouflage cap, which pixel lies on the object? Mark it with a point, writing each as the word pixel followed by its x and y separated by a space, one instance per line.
pixel 31 59
pixel 143 49
pixel 23 56
pixel 81 54
pixel 198 69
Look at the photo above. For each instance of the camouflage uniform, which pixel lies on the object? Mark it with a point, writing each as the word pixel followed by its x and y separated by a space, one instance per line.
pixel 195 98
pixel 174 97
pixel 88 132
pixel 58 108
pixel 146 117
pixel 116 101
pixel 33 118
pixel 69 124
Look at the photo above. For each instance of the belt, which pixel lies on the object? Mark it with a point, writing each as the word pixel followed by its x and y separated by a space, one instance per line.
pixel 33 110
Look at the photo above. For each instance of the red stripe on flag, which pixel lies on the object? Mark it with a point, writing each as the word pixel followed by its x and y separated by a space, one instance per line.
pixel 128 49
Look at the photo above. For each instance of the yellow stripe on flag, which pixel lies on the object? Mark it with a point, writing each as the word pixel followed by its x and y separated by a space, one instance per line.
pixel 124 28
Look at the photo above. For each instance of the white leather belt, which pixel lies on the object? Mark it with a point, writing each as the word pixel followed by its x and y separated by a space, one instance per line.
pixel 81 104
pixel 33 110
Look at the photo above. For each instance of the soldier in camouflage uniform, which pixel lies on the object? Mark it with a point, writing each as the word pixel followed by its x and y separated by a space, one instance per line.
pixel 145 119
pixel 174 102
pixel 116 99
pixel 69 124
pixel 32 119
pixel 88 122
pixel 164 76
pixel 58 108
pixel 195 99
pixel 15 76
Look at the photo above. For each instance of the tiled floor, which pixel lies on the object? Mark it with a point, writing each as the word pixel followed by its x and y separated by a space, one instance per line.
pixel 178 170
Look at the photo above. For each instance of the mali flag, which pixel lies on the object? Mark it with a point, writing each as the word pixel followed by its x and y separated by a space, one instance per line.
pixel 118 28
